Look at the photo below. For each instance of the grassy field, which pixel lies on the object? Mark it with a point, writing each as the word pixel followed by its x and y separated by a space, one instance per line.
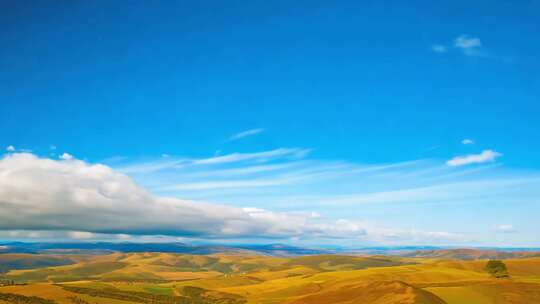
pixel 234 279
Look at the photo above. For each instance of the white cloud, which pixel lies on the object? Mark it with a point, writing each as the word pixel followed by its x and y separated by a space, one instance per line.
pixel 246 133
pixel 469 45
pixel 504 228
pixel 467 141
pixel 485 156
pixel 466 42
pixel 439 48
pixel 81 235
pixel 66 156
pixel 52 147
pixel 56 235
pixel 93 201
pixel 10 148
pixel 83 199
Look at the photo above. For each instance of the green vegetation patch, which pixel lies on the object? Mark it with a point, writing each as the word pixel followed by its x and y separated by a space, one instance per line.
pixel 83 272
pixel 222 267
pixel 497 269
pixel 159 290
pixel 20 299
pixel 190 295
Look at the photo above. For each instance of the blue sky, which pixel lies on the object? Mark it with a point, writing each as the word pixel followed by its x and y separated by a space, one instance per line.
pixel 402 122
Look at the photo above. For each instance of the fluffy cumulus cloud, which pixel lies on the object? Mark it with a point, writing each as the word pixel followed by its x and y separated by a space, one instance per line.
pixel 81 199
pixel 485 156
pixel 66 156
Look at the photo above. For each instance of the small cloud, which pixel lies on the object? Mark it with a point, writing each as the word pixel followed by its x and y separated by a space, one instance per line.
pixel 466 42
pixel 81 235
pixel 467 141
pixel 66 156
pixel 505 228
pixel 439 48
pixel 10 148
pixel 246 133
pixel 469 45
pixel 485 156
pixel 52 147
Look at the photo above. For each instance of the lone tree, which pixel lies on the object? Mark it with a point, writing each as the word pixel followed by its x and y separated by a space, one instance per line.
pixel 497 269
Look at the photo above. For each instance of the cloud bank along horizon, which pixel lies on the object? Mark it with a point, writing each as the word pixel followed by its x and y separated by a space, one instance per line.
pixel 70 198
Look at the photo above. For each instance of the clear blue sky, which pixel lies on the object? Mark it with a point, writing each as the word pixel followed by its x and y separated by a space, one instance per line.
pixel 357 83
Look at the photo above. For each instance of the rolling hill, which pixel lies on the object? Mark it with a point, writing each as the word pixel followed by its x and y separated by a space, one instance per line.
pixel 151 277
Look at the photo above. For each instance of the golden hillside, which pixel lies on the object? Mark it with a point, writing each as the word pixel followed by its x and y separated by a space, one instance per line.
pixel 234 279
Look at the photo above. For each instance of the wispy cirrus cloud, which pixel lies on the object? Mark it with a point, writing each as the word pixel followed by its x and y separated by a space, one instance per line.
pixel 246 133
pixel 260 157
pixel 467 141
pixel 484 157
pixel 174 163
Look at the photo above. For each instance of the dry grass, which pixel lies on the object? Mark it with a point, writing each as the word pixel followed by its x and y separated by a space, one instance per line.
pixel 304 280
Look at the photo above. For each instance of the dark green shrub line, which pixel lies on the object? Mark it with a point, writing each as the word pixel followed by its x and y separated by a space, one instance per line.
pixel 497 269
pixel 193 296
pixel 20 299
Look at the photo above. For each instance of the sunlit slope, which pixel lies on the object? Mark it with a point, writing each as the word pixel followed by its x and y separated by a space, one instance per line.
pixel 355 283
pixel 503 292
pixel 57 294
pixel 376 293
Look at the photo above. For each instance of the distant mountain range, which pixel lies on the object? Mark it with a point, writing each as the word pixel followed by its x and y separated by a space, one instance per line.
pixel 108 247
pixel 269 250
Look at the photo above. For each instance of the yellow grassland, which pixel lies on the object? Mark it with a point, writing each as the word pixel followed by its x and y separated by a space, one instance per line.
pixel 266 280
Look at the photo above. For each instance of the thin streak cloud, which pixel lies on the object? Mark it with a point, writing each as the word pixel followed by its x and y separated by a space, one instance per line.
pixel 484 157
pixel 246 133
